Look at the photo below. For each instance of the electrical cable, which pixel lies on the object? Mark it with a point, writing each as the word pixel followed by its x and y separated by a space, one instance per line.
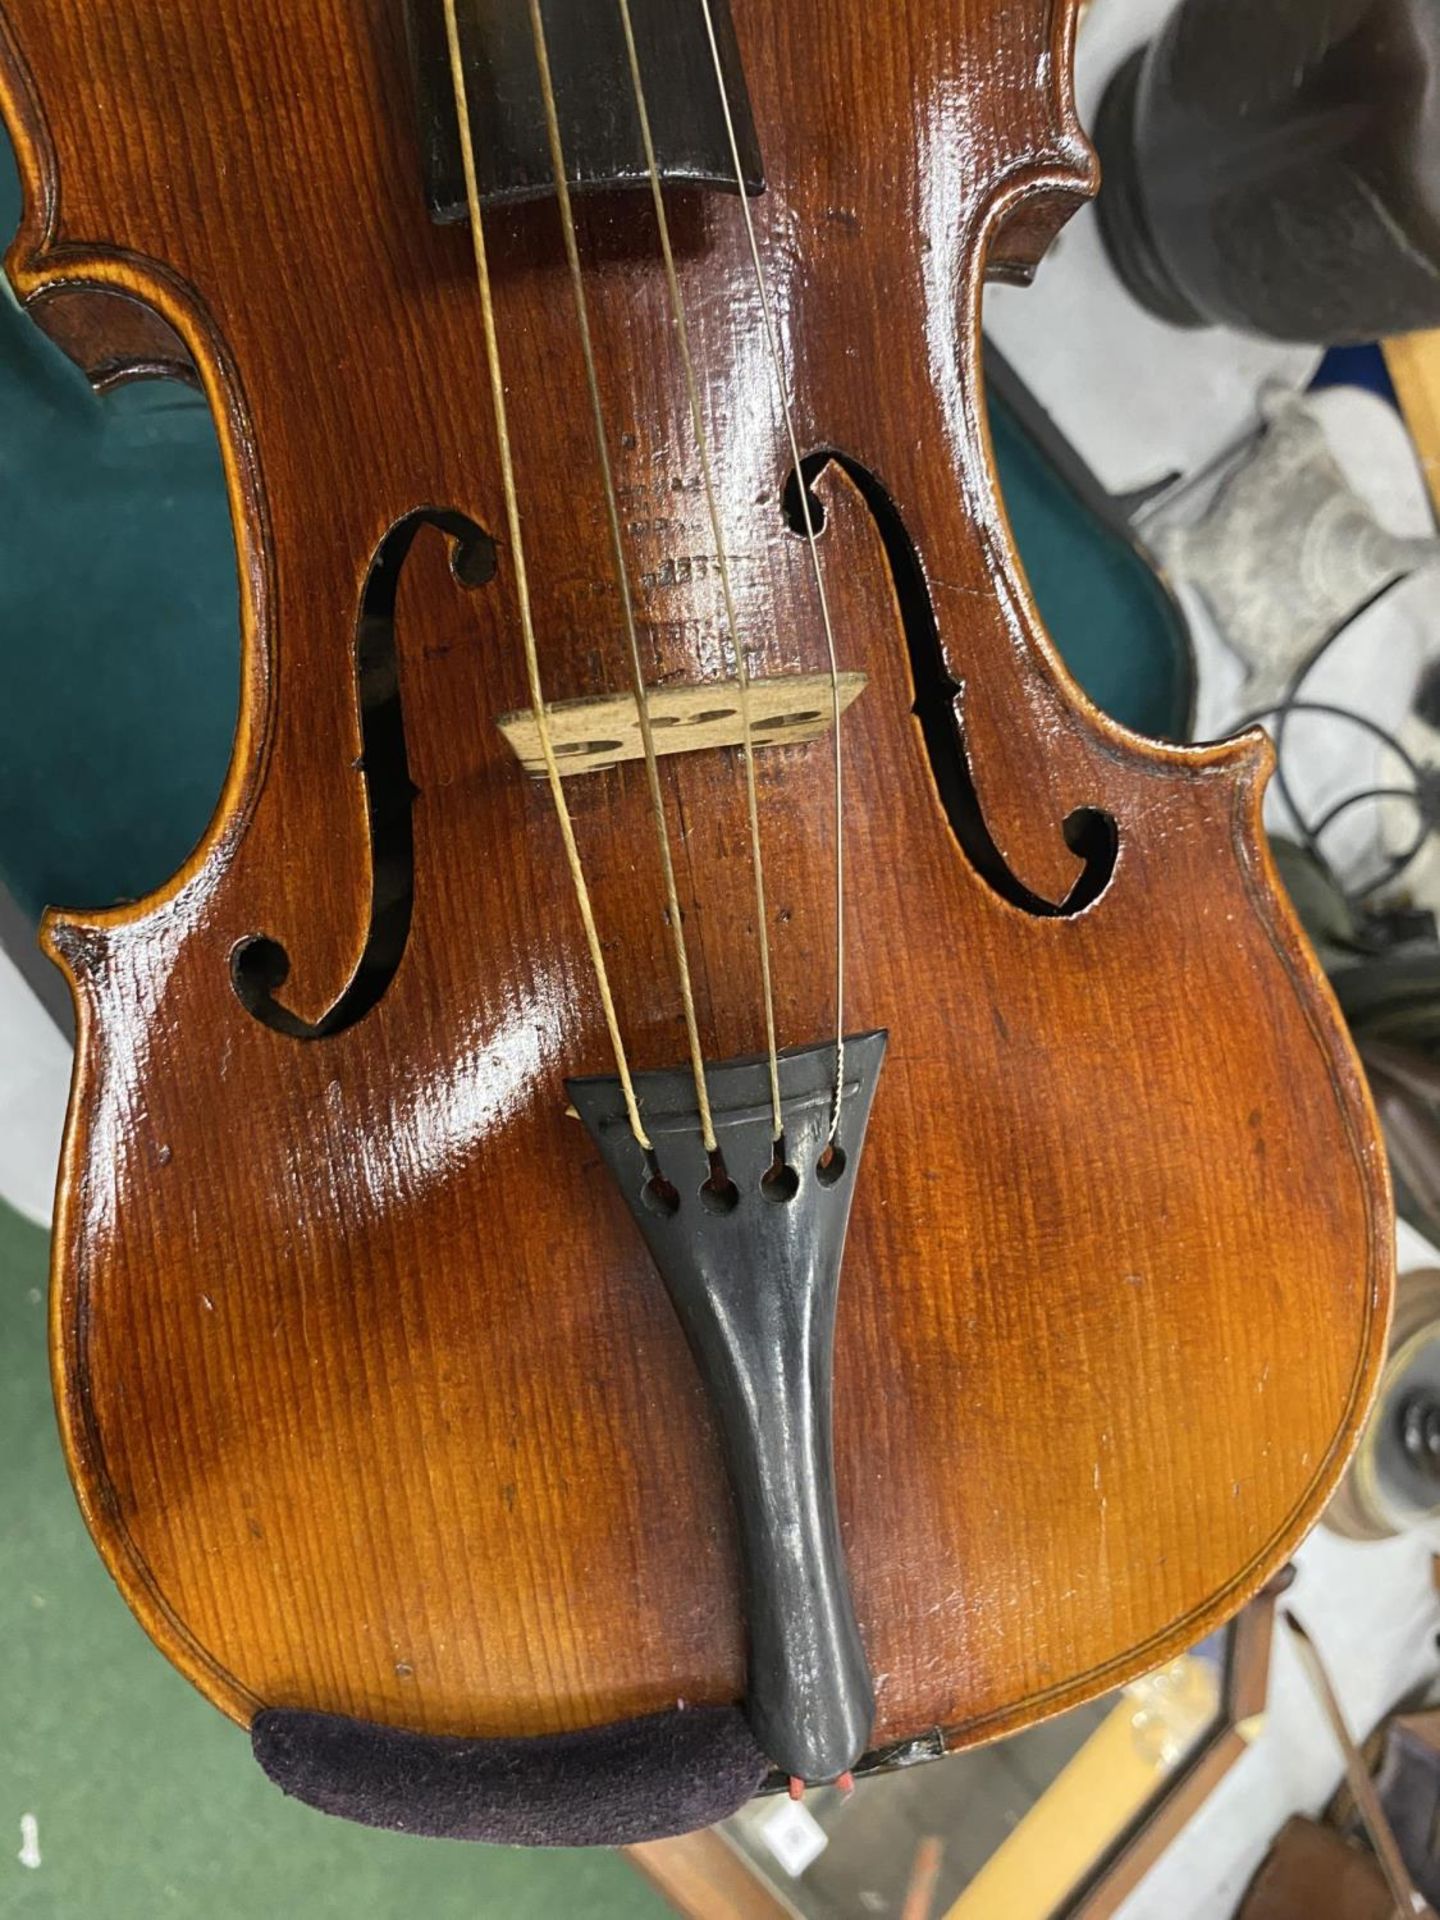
pixel 1424 793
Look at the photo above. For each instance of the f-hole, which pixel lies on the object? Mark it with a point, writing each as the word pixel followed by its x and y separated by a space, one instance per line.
pixel 1089 833
pixel 259 965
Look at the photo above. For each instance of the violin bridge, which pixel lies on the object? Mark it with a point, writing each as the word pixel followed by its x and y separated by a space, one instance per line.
pixel 590 735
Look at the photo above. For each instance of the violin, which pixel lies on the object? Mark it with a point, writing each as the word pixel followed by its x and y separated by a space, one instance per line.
pixel 664 872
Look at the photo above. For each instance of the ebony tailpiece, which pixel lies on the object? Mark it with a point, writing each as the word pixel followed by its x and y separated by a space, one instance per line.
pixel 752 1265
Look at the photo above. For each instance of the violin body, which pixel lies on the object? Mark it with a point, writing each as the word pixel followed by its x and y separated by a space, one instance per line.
pixel 373 1398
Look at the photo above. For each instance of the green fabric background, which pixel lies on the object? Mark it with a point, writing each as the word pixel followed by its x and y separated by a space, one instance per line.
pixel 1115 625
pixel 118 622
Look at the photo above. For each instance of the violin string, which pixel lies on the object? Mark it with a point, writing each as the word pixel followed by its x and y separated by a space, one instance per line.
pixel 722 560
pixel 522 578
pixel 813 546
pixel 622 575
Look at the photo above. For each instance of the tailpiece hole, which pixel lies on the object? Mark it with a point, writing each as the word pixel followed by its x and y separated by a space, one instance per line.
pixel 781 1182
pixel 658 1194
pixel 719 1193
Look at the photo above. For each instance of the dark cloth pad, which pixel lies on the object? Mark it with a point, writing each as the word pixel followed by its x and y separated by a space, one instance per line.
pixel 606 1787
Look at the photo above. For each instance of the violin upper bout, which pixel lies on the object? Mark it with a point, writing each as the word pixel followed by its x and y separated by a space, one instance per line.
pixel 1028 225
pixel 110 335
pixel 1050 183
pixel 76 297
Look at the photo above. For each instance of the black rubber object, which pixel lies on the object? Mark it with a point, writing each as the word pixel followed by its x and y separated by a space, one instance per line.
pixel 1276 167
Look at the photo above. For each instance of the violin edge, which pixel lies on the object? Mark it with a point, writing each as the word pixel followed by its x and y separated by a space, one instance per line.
pixel 111 331
pixel 1047 191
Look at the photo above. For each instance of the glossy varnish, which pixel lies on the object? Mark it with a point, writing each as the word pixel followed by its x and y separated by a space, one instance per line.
pixel 371 1396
